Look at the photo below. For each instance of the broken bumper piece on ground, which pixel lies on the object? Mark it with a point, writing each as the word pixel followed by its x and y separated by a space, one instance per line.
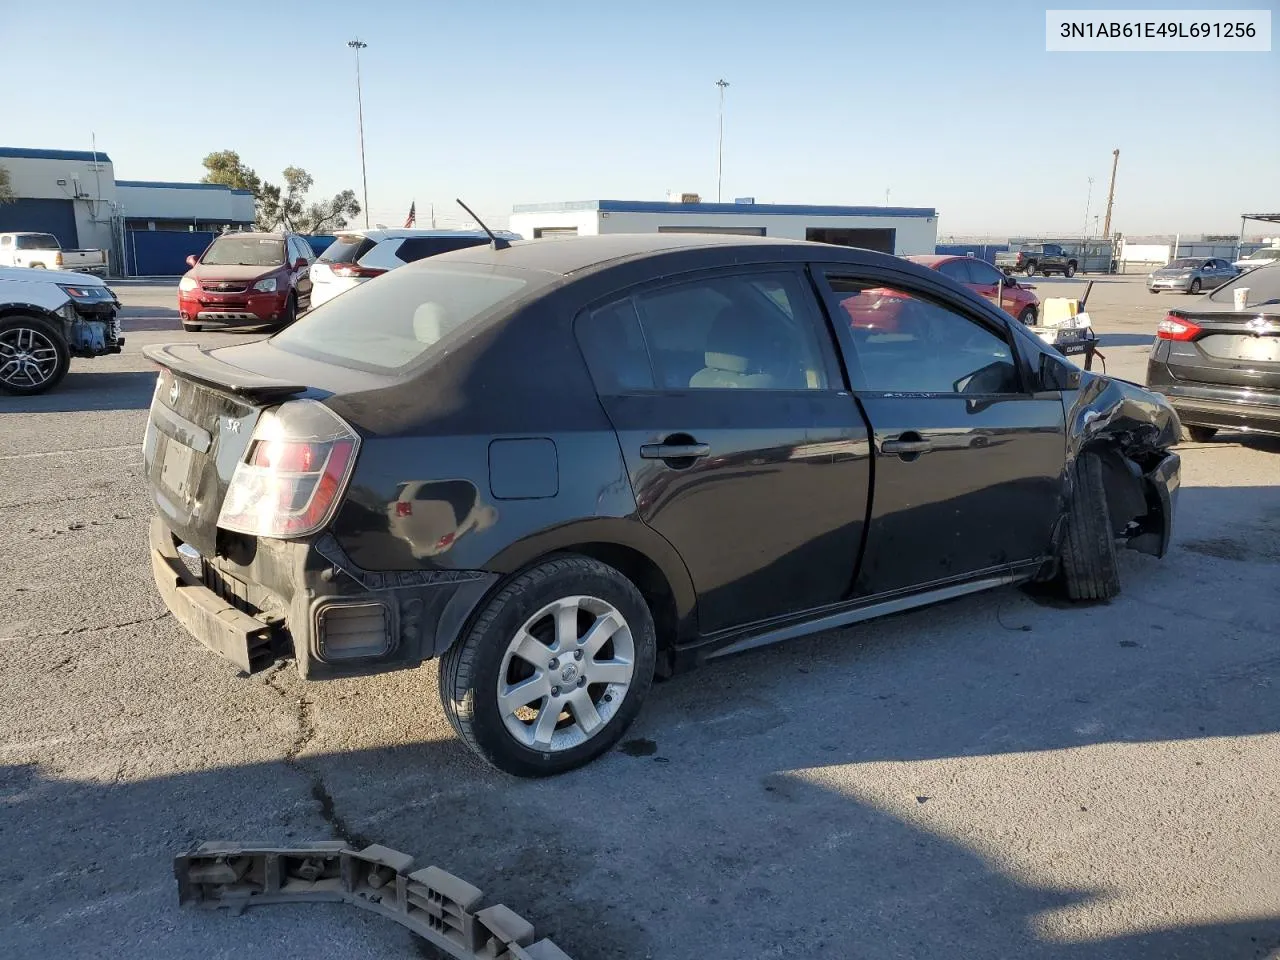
pixel 435 905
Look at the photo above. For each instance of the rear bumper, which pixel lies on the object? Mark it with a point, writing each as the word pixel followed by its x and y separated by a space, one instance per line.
pixel 310 602
pixel 1226 408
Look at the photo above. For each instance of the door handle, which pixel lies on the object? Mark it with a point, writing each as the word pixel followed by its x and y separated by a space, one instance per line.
pixel 674 451
pixel 907 444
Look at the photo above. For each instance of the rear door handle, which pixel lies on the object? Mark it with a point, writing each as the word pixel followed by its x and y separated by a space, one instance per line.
pixel 674 451
pixel 917 445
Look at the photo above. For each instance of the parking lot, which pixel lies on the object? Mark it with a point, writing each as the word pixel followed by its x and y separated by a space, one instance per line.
pixel 1003 776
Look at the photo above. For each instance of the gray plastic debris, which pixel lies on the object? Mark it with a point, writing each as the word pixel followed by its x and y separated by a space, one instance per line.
pixel 436 905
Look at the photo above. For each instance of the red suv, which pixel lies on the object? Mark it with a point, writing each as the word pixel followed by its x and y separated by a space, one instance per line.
pixel 979 276
pixel 247 279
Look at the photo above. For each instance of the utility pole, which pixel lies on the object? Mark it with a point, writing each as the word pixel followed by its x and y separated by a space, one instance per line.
pixel 357 45
pixel 721 83
pixel 1111 194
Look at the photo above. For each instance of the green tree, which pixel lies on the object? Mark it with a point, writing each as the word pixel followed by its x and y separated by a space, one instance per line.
pixel 282 206
pixel 6 187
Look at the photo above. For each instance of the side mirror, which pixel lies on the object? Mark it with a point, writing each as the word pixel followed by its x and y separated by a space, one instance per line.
pixel 191 260
pixel 1057 374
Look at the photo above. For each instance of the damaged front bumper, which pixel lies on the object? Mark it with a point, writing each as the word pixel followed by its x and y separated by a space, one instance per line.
pixel 437 906
pixel 1161 484
pixel 275 598
pixel 91 324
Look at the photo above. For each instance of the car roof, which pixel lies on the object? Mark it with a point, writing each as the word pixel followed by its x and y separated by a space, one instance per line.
pixel 570 255
pixel 932 260
pixel 254 234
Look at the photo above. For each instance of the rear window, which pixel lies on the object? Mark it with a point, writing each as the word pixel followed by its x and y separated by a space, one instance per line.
pixel 1263 284
pixel 37 241
pixel 346 248
pixel 245 252
pixel 388 324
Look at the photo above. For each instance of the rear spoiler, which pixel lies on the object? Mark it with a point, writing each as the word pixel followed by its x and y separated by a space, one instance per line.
pixel 195 363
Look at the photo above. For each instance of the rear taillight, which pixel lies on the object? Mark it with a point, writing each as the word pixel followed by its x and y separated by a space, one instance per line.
pixel 1175 327
pixel 293 474
pixel 350 270
pixel 57 259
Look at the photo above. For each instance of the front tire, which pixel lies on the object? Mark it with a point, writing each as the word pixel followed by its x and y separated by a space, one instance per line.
pixel 290 312
pixel 33 356
pixel 553 669
pixel 1090 570
pixel 1027 317
pixel 1195 287
pixel 1201 434
pixel 1030 269
pixel 1070 271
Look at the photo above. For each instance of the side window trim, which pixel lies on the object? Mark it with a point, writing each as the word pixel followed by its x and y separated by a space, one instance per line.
pixel 817 321
pixel 822 273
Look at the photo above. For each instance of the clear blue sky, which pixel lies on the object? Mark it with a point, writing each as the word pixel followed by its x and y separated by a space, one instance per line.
pixel 952 105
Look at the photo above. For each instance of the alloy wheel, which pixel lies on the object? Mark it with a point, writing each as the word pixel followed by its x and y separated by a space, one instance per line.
pixel 565 673
pixel 28 358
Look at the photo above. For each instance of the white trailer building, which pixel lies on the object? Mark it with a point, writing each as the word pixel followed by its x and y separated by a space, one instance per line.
pixel 896 230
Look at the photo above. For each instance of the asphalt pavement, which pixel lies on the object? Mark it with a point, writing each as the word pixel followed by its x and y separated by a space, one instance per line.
pixel 1003 776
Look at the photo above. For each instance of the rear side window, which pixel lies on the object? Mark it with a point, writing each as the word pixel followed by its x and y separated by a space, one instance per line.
pixel 613 345
pixel 418 248
pixel 346 248
pixel 387 325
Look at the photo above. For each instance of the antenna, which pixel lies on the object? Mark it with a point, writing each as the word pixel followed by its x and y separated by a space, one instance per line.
pixel 497 242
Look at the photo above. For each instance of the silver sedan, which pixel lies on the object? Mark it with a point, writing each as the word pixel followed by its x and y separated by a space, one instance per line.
pixel 1191 275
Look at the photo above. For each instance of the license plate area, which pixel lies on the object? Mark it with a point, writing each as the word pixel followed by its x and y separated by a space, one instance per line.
pixel 1242 347
pixel 176 463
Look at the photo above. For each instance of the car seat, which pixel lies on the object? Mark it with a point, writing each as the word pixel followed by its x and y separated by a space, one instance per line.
pixel 739 351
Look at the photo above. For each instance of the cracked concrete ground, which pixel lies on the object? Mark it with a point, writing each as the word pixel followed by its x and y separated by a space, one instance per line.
pixel 1000 777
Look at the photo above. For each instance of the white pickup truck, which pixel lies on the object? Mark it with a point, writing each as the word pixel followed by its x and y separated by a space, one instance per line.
pixel 43 252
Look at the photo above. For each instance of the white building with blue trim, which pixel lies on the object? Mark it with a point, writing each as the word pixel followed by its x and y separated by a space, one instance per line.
pixel 897 230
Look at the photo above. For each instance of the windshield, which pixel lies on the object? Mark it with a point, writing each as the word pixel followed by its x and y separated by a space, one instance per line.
pixel 388 323
pixel 1272 253
pixel 1182 265
pixel 245 252
pixel 37 241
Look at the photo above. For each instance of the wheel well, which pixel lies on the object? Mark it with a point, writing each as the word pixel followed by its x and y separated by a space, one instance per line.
pixel 1122 480
pixel 648 578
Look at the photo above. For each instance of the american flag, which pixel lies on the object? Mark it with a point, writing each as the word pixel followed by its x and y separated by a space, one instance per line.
pixel 412 218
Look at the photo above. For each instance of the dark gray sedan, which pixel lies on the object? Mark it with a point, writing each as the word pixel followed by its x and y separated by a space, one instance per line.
pixel 1191 275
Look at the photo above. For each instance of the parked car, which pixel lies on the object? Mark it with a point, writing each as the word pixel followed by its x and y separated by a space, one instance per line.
pixel 1259 258
pixel 1033 258
pixel 247 279
pixel 46 318
pixel 43 251
pixel 1191 275
pixel 685 456
pixel 359 255
pixel 1218 366
pixel 985 280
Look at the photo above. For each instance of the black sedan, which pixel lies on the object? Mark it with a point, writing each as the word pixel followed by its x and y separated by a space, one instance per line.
pixel 1218 363
pixel 567 466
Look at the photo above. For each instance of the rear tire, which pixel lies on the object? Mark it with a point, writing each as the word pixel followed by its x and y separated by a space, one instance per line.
pixel 1201 434
pixel 1090 570
pixel 33 356
pixel 1030 269
pixel 526 616
pixel 290 312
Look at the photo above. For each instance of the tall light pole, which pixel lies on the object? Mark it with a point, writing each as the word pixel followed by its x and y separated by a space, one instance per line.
pixel 357 45
pixel 722 83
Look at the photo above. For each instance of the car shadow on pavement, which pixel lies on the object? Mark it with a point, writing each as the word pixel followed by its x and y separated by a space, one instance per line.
pixel 1125 339
pixel 89 390
pixel 975 781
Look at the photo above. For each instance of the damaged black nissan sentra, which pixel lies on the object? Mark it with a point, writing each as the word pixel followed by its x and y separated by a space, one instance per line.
pixel 563 466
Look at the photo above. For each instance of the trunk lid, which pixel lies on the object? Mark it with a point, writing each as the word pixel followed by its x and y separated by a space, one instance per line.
pixel 202 419
pixel 1240 349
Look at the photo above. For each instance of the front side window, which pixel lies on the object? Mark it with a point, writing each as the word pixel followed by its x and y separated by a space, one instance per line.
pixel 909 344
pixel 732 332
pixel 985 274
pixel 245 252
pixel 956 270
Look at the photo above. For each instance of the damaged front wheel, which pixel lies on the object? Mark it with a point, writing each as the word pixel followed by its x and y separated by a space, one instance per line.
pixel 33 356
pixel 1090 570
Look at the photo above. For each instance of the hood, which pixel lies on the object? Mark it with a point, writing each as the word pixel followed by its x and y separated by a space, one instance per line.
pixel 1121 410
pixel 231 271
pixel 51 276
pixel 1172 271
